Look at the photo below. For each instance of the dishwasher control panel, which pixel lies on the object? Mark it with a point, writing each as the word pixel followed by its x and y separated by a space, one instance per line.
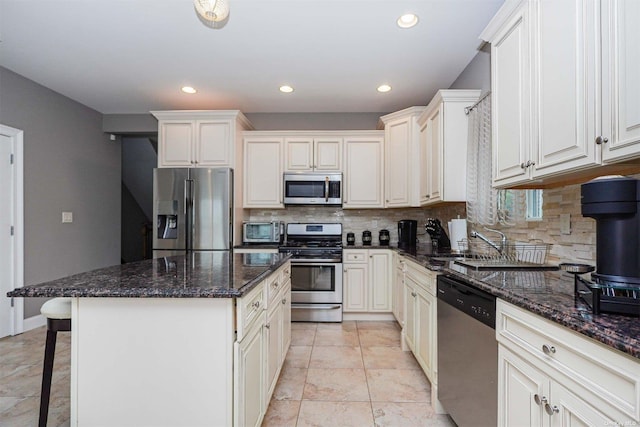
pixel 467 298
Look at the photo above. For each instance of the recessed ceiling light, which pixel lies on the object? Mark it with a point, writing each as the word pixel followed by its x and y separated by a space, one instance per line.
pixel 286 89
pixel 188 89
pixel 407 20
pixel 384 88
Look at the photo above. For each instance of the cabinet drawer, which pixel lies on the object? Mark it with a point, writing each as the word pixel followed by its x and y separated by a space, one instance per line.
pixel 249 308
pixel 274 283
pixel 424 277
pixel 355 256
pixel 574 359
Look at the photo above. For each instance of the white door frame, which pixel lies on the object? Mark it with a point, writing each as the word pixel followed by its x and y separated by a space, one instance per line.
pixel 17 137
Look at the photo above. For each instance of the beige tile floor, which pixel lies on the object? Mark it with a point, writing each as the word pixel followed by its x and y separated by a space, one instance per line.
pixel 21 377
pixel 349 374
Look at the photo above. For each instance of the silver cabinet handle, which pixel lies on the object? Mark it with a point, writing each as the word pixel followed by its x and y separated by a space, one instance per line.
pixel 548 349
pixel 551 409
pixel 275 284
pixel 601 140
pixel 268 326
pixel 539 400
pixel 413 294
pixel 523 165
pixel 284 300
pixel 256 304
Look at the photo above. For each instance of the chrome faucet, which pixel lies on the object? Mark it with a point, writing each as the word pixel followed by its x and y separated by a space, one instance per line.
pixel 503 242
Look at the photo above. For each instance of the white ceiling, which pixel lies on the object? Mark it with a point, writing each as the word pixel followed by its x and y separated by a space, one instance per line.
pixel 132 56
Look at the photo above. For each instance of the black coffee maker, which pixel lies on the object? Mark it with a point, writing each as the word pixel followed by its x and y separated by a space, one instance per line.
pixel 614 202
pixel 407 233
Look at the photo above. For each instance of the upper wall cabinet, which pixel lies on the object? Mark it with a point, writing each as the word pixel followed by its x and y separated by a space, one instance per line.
pixel 308 153
pixel 363 179
pixel 621 77
pixel 402 158
pixel 443 129
pixel 550 62
pixel 200 138
pixel 262 178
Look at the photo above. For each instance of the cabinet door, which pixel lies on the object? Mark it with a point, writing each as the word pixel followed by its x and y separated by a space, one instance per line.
pixel 435 141
pixel 566 83
pixel 518 385
pixel 213 144
pixel 263 173
pixel 286 319
pixel 425 163
pixel 397 163
pixel 410 312
pixel 621 80
pixel 249 378
pixel 354 281
pixel 364 175
pixel 425 337
pixel 328 154
pixel 399 294
pixel 273 332
pixel 298 154
pixel 510 98
pixel 175 143
pixel 569 410
pixel 380 283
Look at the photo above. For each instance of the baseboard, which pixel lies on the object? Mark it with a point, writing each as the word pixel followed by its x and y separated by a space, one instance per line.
pixel 368 316
pixel 34 322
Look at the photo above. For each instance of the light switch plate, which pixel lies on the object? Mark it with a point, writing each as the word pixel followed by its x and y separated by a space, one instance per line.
pixel 565 223
pixel 67 217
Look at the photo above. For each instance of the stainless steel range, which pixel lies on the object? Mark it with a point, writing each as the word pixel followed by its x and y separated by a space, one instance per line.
pixel 316 271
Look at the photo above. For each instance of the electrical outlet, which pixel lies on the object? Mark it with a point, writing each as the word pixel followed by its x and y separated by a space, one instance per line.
pixel 565 223
pixel 67 217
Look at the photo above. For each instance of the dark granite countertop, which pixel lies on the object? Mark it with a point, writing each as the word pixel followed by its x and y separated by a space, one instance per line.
pixel 549 294
pixel 198 275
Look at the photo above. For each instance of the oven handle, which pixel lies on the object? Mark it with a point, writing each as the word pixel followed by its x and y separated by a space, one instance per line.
pixel 317 306
pixel 315 263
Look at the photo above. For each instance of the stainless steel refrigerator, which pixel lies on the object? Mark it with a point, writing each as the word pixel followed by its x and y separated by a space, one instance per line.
pixel 192 209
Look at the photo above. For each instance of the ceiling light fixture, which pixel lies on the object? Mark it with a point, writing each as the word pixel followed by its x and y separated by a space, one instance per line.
pixel 212 10
pixel 407 20
pixel 384 88
pixel 188 89
pixel 286 89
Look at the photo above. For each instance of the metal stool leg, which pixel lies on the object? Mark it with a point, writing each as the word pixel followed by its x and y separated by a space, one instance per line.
pixel 47 372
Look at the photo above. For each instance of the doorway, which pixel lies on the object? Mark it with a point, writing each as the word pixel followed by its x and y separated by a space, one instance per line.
pixel 11 229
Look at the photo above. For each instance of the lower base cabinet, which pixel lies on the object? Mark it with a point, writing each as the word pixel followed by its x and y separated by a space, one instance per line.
pixel 260 353
pixel 420 321
pixel 367 281
pixel 551 376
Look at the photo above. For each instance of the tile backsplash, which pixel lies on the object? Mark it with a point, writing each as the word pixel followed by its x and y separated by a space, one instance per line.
pixel 358 220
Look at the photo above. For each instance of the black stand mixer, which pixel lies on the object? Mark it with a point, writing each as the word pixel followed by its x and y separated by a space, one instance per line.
pixel 439 238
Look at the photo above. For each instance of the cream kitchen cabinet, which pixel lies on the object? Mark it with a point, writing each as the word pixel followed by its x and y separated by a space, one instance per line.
pixel 549 375
pixel 443 128
pixel 621 80
pixel 309 153
pixel 550 63
pixel 402 158
pixel 249 391
pixel 263 155
pixel 420 327
pixel 200 138
pixel 367 285
pixel 398 297
pixel 363 176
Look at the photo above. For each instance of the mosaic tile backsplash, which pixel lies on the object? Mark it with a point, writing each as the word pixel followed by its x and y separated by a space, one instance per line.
pixel 577 246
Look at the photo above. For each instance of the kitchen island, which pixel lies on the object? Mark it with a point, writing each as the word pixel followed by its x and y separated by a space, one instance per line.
pixel 185 340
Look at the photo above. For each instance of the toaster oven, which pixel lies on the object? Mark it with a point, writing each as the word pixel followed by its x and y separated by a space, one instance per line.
pixel 263 232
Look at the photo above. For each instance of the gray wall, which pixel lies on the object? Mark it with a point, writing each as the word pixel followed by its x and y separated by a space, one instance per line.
pixel 477 74
pixel 69 165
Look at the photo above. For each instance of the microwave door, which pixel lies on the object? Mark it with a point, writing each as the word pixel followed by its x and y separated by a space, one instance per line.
pixel 212 204
pixel 169 208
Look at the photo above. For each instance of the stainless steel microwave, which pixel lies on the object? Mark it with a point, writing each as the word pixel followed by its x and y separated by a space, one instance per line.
pixel 312 188
pixel 263 232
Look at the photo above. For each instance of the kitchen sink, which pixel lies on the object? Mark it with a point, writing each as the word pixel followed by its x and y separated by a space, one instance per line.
pixel 483 264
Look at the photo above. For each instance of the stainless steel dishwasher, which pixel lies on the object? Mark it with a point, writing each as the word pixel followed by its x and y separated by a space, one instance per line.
pixel 467 353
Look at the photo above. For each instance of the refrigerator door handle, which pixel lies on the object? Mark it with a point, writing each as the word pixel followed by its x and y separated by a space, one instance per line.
pixel 188 208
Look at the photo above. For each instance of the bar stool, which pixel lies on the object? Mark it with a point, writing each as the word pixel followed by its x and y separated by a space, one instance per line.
pixel 58 314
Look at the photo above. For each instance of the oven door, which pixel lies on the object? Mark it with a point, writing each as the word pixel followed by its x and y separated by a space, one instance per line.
pixel 316 282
